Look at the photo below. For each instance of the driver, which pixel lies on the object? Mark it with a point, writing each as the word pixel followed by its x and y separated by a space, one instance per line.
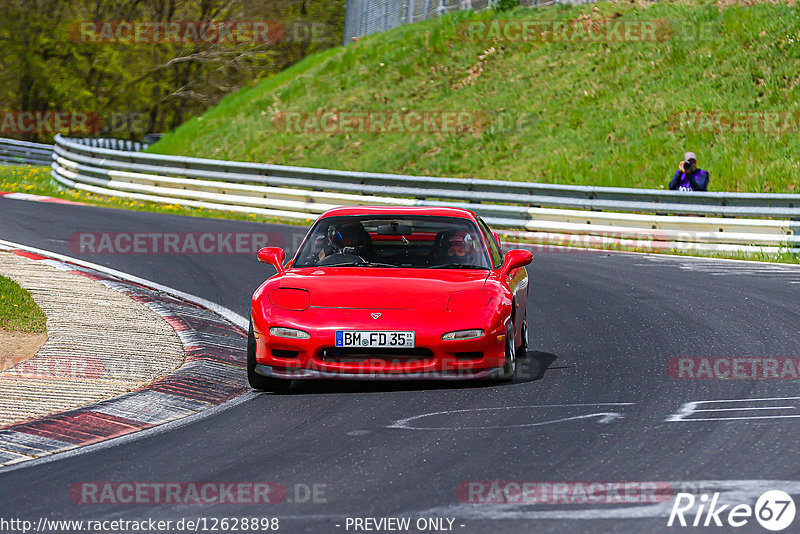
pixel 350 236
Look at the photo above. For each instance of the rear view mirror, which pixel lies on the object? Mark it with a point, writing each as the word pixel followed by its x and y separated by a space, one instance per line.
pixel 395 229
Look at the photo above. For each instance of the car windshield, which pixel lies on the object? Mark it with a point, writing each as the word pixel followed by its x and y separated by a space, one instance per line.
pixel 417 242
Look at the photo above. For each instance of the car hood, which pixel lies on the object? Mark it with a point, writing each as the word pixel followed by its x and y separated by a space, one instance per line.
pixel 379 288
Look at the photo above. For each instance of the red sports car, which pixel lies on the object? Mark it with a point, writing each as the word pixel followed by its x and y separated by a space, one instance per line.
pixel 390 293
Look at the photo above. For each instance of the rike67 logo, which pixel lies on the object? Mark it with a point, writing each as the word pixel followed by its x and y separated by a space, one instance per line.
pixel 774 510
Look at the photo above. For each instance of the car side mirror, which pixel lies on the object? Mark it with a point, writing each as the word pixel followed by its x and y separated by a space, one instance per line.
pixel 514 259
pixel 273 256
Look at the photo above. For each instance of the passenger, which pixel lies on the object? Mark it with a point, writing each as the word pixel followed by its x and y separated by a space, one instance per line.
pixel 461 248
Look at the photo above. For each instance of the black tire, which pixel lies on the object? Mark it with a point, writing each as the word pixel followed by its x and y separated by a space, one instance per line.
pixel 523 348
pixel 511 363
pixel 257 381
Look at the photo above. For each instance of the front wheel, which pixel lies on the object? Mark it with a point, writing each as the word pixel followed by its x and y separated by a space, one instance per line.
pixel 257 381
pixel 510 366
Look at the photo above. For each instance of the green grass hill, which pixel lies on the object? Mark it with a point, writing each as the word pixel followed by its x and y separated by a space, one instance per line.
pixel 587 103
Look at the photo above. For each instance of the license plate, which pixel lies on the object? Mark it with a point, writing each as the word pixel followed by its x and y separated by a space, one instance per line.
pixel 374 339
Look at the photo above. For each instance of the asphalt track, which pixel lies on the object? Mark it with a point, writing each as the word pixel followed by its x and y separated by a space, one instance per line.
pixel 596 405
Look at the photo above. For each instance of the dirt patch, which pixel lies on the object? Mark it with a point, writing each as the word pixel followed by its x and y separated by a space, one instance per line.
pixel 16 347
pixel 474 72
pixel 728 3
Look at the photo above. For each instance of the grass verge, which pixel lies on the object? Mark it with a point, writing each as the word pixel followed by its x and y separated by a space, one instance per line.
pixel 18 311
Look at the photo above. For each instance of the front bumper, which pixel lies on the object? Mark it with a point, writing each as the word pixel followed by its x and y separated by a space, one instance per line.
pixel 312 374
pixel 431 358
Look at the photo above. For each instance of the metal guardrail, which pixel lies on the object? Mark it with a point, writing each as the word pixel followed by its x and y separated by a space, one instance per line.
pixel 474 191
pixel 13 152
pixel 714 222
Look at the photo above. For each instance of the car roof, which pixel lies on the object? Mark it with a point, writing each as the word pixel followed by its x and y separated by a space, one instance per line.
pixel 400 210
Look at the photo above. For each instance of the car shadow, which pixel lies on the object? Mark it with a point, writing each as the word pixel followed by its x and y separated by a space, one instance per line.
pixel 531 368
pixel 321 387
pixel 534 366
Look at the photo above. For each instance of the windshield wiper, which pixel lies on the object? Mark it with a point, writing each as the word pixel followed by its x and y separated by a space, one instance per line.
pixel 376 264
pixel 457 266
pixel 359 264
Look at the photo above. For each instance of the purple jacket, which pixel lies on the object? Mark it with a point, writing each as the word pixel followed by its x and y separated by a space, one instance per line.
pixel 694 181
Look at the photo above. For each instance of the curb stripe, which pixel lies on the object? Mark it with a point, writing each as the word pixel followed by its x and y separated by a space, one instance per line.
pixel 175 322
pixel 81 428
pixel 29 255
pixel 150 406
pixel 10 458
pixel 39 198
pixel 20 442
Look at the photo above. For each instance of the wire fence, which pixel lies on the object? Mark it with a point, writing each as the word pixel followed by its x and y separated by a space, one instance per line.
pixel 364 17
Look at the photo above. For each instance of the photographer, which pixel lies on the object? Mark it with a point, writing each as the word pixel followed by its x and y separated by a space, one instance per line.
pixel 688 177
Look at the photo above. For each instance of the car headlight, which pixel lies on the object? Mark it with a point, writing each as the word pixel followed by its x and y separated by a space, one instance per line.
pixel 460 335
pixel 293 333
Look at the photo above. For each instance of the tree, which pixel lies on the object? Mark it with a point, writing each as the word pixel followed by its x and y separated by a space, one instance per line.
pixel 49 61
